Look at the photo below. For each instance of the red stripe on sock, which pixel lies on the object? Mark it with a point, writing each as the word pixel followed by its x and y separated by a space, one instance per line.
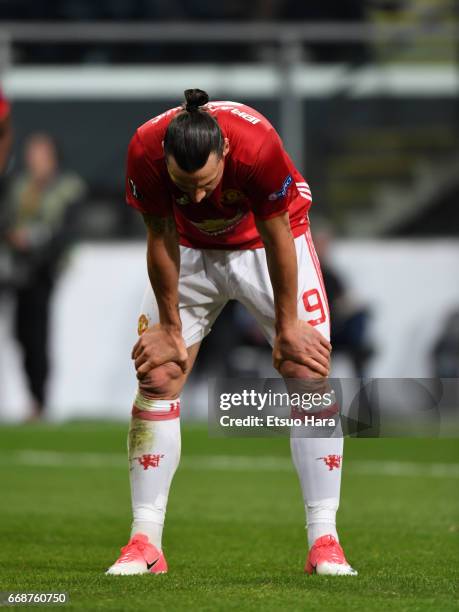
pixel 149 415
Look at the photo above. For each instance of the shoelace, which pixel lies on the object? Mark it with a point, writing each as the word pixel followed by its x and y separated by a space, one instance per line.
pixel 128 551
pixel 336 554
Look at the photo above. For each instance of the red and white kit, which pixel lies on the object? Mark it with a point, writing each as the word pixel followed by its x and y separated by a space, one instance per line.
pixel 222 258
pixel 259 179
pixel 221 251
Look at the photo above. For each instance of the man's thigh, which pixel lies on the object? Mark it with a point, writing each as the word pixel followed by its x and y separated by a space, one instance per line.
pixel 312 297
pixel 257 295
pixel 200 302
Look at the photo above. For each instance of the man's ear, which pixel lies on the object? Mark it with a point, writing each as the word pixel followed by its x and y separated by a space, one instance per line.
pixel 226 147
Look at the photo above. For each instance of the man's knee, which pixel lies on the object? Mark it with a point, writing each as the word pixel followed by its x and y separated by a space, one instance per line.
pixel 164 382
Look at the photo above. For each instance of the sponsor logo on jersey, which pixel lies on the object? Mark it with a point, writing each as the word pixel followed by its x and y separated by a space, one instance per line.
pixel 282 191
pixel 135 192
pixel 218 226
pixel 250 118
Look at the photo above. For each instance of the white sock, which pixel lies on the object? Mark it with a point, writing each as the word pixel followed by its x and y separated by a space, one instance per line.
pixel 154 454
pixel 321 519
pixel 318 464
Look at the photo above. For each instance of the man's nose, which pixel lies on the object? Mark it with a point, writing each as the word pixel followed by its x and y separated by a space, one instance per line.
pixel 198 195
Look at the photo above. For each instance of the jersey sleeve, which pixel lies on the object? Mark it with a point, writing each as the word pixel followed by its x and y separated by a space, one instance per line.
pixel 270 185
pixel 145 187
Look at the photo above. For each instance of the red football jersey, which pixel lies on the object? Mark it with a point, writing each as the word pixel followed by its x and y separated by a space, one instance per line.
pixel 259 179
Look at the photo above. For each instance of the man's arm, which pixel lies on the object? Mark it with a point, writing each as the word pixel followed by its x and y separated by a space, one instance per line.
pixel 295 340
pixel 163 263
pixel 163 342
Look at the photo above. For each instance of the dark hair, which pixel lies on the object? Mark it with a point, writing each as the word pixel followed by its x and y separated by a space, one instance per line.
pixel 193 134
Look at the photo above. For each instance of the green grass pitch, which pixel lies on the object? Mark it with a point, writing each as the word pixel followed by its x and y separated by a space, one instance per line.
pixel 234 535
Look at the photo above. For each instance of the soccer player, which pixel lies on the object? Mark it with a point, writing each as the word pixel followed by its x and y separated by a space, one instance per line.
pixel 226 216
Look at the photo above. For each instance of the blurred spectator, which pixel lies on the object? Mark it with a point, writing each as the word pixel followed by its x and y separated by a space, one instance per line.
pixel 349 319
pixel 445 353
pixel 41 205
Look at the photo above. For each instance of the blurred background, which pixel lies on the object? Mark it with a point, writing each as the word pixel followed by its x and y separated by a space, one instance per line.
pixel 365 97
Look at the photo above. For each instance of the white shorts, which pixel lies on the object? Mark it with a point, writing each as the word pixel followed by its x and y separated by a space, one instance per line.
pixel 210 277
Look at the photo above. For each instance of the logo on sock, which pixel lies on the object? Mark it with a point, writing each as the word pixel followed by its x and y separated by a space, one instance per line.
pixel 149 461
pixel 331 461
pixel 174 406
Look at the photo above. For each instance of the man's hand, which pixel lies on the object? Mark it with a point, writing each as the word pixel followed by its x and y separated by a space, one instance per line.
pixel 304 345
pixel 296 341
pixel 157 345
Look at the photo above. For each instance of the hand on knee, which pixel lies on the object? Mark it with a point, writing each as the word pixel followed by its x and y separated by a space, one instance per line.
pixel 165 381
pixel 291 369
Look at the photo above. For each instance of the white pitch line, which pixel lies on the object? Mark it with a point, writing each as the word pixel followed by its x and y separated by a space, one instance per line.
pixel 404 468
pixel 226 463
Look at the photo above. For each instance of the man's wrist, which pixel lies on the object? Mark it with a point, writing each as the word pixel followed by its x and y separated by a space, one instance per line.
pixel 171 326
pixel 169 317
pixel 285 324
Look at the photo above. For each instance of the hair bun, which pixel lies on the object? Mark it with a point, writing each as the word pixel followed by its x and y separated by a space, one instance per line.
pixel 194 98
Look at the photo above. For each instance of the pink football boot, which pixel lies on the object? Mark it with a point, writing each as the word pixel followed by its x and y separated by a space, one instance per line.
pixel 326 558
pixel 139 557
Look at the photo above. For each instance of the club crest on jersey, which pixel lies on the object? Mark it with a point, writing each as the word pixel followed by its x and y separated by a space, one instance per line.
pixel 135 192
pixel 142 324
pixel 282 191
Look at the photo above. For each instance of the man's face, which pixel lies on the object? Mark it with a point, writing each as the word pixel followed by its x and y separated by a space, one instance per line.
pixel 40 157
pixel 201 183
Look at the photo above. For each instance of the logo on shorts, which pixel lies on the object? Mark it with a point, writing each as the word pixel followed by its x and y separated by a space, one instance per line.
pixel 331 461
pixel 282 191
pixel 142 324
pixel 147 461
